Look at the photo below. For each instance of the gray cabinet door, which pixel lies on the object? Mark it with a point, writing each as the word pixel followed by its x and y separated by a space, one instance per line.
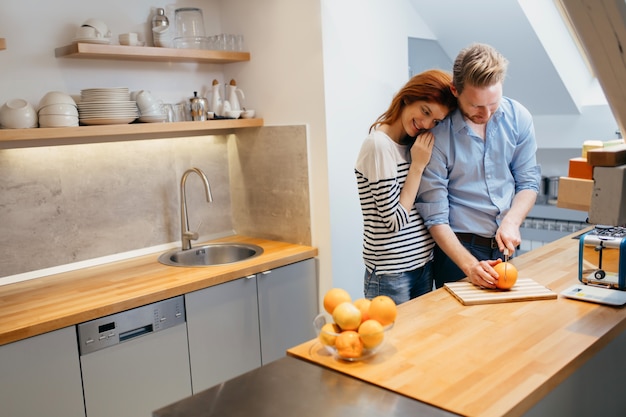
pixel 287 307
pixel 40 376
pixel 223 331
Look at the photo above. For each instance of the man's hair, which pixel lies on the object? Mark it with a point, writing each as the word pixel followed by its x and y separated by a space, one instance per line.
pixel 478 65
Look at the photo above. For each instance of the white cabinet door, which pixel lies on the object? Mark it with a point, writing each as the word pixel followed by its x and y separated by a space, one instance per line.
pixel 40 376
pixel 287 307
pixel 223 331
pixel 239 325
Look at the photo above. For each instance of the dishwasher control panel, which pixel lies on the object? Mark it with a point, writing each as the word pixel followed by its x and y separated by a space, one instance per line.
pixel 121 327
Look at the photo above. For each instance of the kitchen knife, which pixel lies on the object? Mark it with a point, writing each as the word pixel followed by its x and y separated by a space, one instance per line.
pixel 506 260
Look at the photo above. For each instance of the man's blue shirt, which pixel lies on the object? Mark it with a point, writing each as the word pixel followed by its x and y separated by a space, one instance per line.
pixel 469 182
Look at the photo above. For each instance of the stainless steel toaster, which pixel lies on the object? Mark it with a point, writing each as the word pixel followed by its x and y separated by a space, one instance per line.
pixel 602 257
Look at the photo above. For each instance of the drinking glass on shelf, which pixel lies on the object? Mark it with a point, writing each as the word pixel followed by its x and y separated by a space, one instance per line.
pixel 180 112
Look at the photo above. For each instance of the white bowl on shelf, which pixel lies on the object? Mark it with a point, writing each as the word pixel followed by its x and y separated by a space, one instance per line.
pixel 248 114
pixel 60 109
pixel 57 120
pixel 18 113
pixel 232 114
pixel 102 30
pixel 55 97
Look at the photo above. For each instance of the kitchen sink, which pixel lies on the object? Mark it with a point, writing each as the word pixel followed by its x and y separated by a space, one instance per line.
pixel 211 254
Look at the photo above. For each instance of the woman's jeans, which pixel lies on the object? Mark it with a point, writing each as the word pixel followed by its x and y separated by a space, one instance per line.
pixel 402 286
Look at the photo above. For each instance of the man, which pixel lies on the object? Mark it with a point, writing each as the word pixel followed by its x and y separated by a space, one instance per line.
pixel 483 177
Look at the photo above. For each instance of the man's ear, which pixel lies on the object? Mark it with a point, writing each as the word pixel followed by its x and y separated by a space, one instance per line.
pixel 454 90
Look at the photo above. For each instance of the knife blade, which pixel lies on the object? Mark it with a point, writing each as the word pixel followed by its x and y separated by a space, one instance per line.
pixel 506 260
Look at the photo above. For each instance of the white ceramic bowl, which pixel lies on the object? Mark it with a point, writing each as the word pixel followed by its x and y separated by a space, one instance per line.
pixel 102 30
pixel 85 32
pixel 56 97
pixel 60 109
pixel 233 114
pixel 57 120
pixel 130 38
pixel 248 114
pixel 18 113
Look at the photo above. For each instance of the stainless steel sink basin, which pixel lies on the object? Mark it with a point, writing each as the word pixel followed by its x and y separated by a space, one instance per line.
pixel 211 254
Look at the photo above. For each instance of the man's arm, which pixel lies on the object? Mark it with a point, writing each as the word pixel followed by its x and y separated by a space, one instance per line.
pixel 508 234
pixel 479 273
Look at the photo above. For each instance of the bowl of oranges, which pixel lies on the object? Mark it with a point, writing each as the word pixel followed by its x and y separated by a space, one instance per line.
pixel 354 330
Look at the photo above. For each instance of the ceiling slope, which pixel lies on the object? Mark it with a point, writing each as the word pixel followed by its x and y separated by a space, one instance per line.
pixel 532 78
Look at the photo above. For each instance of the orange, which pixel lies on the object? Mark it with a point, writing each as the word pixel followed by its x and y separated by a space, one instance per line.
pixel 371 333
pixel 347 316
pixel 328 334
pixel 383 309
pixel 334 297
pixel 363 304
pixel 349 345
pixel 511 275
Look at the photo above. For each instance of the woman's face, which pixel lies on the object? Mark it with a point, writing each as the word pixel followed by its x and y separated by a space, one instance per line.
pixel 422 115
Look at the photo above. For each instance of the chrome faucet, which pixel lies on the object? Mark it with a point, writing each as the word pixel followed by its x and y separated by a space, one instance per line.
pixel 186 235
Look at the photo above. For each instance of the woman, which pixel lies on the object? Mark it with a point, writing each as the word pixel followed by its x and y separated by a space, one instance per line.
pixel 397 248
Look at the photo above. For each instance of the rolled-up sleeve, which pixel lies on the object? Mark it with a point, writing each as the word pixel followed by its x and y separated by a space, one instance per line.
pixel 432 198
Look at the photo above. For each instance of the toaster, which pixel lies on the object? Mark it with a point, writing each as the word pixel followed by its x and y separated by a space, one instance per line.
pixel 602 257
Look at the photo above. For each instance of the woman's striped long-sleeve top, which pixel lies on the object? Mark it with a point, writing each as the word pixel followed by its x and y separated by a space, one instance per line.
pixel 394 240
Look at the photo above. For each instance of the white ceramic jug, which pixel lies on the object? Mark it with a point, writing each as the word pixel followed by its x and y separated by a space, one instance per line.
pixel 216 99
pixel 233 94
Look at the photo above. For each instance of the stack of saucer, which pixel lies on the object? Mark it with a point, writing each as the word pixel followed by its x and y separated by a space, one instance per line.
pixel 106 106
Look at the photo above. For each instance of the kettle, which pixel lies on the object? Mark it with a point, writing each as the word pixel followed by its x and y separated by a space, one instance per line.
pixel 199 107
pixel 216 99
pixel 232 95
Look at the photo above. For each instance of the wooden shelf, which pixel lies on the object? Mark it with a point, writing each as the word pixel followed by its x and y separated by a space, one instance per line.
pixel 24 138
pixel 148 53
pixel 3 44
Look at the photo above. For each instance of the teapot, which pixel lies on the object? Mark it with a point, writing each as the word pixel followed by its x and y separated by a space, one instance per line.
pixel 199 107
pixel 216 99
pixel 232 95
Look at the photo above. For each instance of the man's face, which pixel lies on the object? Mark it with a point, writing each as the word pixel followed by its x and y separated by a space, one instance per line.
pixel 478 104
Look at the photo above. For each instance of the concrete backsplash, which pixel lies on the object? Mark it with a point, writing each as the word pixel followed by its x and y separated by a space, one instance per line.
pixel 270 183
pixel 64 204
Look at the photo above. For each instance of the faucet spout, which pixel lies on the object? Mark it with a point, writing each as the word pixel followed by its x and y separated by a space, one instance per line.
pixel 186 236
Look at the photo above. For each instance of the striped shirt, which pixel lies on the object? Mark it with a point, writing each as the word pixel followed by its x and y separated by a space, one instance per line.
pixel 394 240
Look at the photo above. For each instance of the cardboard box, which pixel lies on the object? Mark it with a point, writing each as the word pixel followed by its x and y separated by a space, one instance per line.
pixel 574 193
pixel 611 156
pixel 608 205
pixel 579 168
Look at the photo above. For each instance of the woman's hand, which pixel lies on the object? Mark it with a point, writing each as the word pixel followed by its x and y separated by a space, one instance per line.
pixel 422 149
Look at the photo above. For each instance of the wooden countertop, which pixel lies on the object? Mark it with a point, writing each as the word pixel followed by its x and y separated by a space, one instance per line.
pixel 44 304
pixel 491 359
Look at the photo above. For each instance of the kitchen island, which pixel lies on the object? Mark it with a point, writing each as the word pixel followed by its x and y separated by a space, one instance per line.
pixel 504 359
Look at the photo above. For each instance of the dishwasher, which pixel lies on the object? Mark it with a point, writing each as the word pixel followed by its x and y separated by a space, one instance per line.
pixel 136 361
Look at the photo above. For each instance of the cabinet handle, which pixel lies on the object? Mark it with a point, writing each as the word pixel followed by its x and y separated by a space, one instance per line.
pixel 250 276
pixel 266 272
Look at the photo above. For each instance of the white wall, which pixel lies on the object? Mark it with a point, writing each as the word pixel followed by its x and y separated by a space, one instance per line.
pixel 284 81
pixel 33 29
pixel 365 63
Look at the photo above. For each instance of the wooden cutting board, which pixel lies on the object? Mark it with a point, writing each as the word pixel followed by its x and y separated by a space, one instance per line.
pixel 525 289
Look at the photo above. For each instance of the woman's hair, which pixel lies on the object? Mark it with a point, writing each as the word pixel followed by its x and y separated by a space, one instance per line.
pixel 432 86
pixel 478 65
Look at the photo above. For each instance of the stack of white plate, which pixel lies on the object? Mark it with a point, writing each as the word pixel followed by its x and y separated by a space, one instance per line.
pixel 106 106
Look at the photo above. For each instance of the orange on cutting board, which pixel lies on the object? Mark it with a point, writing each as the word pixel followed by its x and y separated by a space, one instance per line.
pixel 511 275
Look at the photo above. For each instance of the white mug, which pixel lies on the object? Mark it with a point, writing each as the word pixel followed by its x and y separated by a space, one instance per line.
pixel 145 100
